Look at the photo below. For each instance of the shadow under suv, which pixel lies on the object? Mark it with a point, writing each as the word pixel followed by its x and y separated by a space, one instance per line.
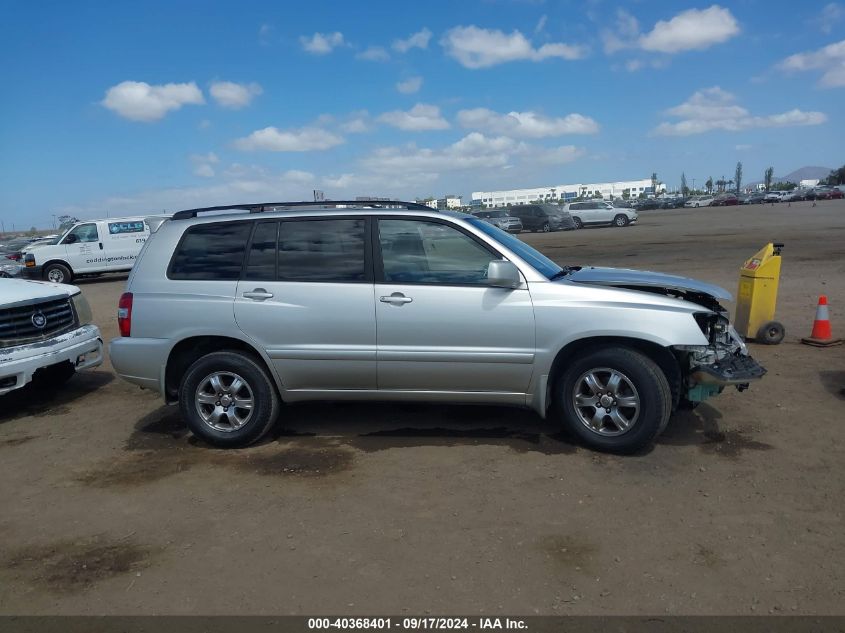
pixel 232 315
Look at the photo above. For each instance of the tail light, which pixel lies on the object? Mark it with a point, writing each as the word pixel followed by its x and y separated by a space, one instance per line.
pixel 14 256
pixel 124 314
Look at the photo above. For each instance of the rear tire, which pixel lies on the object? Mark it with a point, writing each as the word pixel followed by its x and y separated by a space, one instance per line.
pixel 546 227
pixel 633 394
pixel 620 220
pixel 58 273
pixel 212 390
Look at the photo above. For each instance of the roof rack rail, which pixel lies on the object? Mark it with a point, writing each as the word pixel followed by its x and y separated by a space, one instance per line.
pixel 275 206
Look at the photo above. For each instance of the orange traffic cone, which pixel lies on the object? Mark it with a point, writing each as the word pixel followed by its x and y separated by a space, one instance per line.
pixel 822 335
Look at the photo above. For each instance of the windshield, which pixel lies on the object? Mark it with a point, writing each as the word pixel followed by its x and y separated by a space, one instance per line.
pixel 540 262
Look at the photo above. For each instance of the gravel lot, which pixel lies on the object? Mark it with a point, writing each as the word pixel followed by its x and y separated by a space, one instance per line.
pixel 110 507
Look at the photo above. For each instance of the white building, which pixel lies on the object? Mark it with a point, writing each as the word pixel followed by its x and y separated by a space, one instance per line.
pixel 449 202
pixel 807 184
pixel 429 202
pixel 565 192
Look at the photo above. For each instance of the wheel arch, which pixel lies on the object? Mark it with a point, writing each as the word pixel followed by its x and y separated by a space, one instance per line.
pixel 190 349
pixel 662 356
pixel 56 260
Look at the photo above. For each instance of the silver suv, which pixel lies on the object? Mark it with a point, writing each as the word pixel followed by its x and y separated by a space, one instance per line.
pixel 231 315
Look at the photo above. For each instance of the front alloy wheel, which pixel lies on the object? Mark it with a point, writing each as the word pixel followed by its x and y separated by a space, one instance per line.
pixel 546 228
pixel 613 399
pixel 606 401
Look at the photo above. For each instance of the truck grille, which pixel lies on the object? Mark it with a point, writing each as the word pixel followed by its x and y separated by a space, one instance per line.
pixel 35 321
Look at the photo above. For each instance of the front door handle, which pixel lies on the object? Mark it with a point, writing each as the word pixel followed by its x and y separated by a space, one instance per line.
pixel 396 297
pixel 259 294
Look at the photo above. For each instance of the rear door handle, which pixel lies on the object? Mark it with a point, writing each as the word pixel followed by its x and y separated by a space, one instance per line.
pixel 396 297
pixel 259 294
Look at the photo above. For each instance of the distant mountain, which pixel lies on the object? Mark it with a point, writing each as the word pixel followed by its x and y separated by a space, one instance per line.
pixel 804 173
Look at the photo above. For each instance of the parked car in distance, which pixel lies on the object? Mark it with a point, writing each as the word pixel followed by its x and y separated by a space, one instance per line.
pixel 45 329
pixel 753 198
pixel 773 196
pixel 390 300
pixel 725 200
pixel 619 203
pixel 542 217
pixel 672 203
pixel 649 204
pixel 823 193
pixel 699 201
pixel 500 218
pixel 88 248
pixel 598 212
pixel 796 195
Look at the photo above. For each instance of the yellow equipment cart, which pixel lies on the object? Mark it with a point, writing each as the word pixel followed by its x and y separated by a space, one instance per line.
pixel 757 297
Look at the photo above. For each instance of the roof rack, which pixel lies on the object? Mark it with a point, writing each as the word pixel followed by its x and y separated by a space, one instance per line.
pixel 276 206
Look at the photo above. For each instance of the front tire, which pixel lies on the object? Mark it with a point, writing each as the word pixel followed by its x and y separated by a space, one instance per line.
pixel 546 227
pixel 228 400
pixel 614 399
pixel 58 273
pixel 620 220
pixel 578 223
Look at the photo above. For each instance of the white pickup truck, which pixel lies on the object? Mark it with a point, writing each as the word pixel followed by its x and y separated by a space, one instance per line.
pixel 44 328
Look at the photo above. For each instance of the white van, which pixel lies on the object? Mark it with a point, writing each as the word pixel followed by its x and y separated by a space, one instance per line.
pixel 88 248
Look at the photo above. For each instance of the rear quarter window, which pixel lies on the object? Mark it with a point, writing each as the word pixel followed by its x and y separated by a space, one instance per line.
pixel 211 252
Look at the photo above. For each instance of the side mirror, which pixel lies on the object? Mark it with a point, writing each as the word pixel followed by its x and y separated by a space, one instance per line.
pixel 70 239
pixel 503 274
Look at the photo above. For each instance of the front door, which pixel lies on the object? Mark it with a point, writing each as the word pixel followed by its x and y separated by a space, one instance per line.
pixel 306 297
pixel 440 326
pixel 85 249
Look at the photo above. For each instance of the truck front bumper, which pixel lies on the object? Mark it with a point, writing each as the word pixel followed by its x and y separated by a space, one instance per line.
pixel 82 348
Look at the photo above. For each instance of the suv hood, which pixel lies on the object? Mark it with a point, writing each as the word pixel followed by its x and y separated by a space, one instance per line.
pixel 17 290
pixel 644 280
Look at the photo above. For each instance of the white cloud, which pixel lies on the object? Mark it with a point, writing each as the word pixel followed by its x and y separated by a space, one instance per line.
pixel 693 29
pixel 541 23
pixel 715 109
pixel 471 152
pixel 556 155
pixel 233 95
pixel 357 123
pixel 304 139
pixel 742 147
pixel 265 34
pixel 321 44
pixel 204 164
pixel 139 101
pixel 410 85
pixel 474 47
pixel 830 59
pixel 831 14
pixel 526 124
pixel 374 54
pixel 421 117
pixel 417 40
pixel 624 35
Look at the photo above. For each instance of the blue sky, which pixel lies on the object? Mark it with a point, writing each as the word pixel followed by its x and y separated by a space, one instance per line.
pixel 126 108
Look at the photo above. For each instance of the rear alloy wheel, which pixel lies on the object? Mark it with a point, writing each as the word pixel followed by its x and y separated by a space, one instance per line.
pixel 228 400
pixel 546 228
pixel 578 223
pixel 614 399
pixel 58 274
pixel 621 220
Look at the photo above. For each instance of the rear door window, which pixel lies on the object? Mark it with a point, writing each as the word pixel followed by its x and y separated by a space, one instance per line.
pixel 325 250
pixel 211 252
pixel 261 263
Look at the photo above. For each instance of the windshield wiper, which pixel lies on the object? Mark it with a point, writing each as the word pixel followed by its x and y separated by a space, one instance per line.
pixel 563 272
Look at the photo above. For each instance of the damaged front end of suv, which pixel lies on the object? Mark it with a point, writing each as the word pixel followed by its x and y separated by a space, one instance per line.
pixel 705 369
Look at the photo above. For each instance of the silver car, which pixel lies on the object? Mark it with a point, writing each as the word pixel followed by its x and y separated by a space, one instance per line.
pixel 500 218
pixel 232 315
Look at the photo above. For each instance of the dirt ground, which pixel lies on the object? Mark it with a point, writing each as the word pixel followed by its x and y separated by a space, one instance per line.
pixel 110 507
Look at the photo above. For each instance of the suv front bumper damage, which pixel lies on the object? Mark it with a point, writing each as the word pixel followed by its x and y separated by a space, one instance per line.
pixel 734 370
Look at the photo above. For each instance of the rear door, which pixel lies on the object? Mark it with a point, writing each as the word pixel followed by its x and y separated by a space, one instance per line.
pixel 123 241
pixel 441 328
pixel 306 297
